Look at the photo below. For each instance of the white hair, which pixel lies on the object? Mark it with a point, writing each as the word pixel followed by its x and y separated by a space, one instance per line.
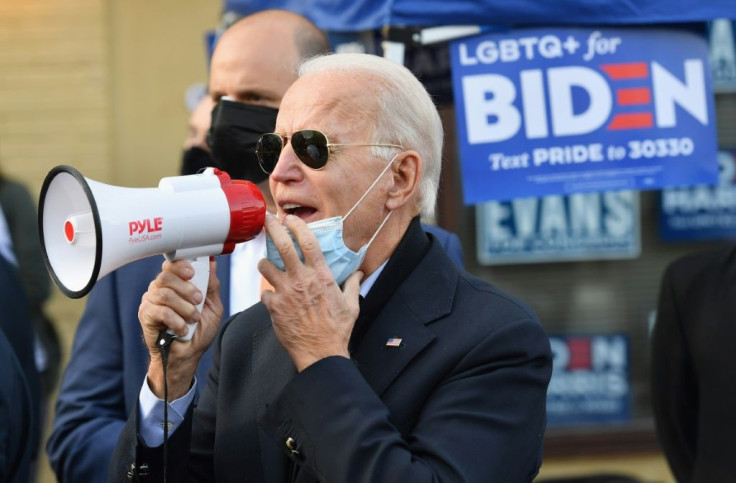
pixel 406 114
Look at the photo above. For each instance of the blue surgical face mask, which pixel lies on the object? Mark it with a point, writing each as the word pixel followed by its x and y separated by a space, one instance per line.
pixel 329 233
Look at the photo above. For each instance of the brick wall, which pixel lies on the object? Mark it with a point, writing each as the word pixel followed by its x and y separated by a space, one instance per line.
pixel 54 101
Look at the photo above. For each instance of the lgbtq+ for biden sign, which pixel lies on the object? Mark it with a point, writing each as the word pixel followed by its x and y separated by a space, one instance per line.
pixel 567 110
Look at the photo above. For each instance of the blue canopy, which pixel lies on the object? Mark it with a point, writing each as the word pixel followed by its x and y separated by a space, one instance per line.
pixel 359 15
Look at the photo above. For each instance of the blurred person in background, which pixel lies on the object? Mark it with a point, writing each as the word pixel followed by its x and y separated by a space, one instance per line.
pixel 693 369
pixel 21 247
pixel 21 218
pixel 109 359
pixel 195 153
pixel 20 386
pixel 15 418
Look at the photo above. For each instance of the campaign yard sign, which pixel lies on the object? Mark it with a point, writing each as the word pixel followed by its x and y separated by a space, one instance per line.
pixel 701 212
pixel 583 226
pixel 566 110
pixel 722 36
pixel 590 379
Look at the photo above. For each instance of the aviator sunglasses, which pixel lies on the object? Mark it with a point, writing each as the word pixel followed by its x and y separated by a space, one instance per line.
pixel 310 146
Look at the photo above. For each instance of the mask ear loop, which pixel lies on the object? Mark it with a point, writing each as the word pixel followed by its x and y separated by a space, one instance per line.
pixel 370 188
pixel 375 234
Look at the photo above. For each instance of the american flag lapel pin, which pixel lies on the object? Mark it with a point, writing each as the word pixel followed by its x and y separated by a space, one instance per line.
pixel 393 342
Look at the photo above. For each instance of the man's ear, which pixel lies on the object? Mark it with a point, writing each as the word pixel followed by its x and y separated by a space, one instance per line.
pixel 406 172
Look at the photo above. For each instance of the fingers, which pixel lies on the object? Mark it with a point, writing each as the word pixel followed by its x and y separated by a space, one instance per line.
pixel 171 300
pixel 213 286
pixel 282 241
pixel 269 271
pixel 176 275
pixel 307 241
pixel 213 301
pixel 351 290
pixel 153 314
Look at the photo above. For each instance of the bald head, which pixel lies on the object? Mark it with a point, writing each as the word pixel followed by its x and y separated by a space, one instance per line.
pixel 255 59
pixel 305 36
pixel 255 62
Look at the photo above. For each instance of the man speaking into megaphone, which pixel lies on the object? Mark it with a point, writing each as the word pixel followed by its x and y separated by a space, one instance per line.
pixel 434 375
pixel 252 66
pixel 108 360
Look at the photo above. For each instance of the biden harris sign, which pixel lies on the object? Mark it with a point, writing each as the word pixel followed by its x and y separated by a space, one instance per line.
pixel 702 212
pixel 568 110
pixel 590 379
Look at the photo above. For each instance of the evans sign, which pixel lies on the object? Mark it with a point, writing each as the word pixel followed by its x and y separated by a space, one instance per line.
pixel 583 226
pixel 542 111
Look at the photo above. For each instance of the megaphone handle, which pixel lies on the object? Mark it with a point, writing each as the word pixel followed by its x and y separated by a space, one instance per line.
pixel 200 279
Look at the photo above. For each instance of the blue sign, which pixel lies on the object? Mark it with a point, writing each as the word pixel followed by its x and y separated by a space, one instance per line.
pixel 568 110
pixel 722 37
pixel 583 226
pixel 701 212
pixel 590 380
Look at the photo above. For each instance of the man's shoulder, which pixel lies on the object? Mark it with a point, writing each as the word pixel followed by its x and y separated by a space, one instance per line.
pixel 439 277
pixel 704 265
pixel 488 296
pixel 482 313
pixel 440 233
pixel 449 241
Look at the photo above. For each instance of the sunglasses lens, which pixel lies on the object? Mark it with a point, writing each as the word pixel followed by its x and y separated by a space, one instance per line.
pixel 268 150
pixel 311 148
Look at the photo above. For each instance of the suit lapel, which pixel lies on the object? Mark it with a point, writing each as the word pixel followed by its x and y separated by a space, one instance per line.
pixel 379 363
pixel 426 295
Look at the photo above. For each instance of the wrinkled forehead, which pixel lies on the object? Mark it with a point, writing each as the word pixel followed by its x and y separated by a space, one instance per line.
pixel 337 103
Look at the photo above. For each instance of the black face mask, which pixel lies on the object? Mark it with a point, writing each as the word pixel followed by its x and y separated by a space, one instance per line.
pixel 233 135
pixel 194 159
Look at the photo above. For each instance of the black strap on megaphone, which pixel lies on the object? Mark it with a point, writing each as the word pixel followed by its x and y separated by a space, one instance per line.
pixel 164 347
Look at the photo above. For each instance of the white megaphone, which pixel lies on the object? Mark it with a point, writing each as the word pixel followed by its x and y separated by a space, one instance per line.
pixel 89 229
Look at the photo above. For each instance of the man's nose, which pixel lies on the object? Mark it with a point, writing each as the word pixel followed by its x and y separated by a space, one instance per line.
pixel 288 167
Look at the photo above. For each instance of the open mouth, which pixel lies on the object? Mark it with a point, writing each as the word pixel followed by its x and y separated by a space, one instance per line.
pixel 303 212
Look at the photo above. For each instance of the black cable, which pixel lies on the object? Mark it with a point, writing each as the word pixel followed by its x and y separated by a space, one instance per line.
pixel 164 347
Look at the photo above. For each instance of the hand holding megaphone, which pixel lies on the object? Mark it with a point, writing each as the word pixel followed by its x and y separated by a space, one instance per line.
pixel 89 229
